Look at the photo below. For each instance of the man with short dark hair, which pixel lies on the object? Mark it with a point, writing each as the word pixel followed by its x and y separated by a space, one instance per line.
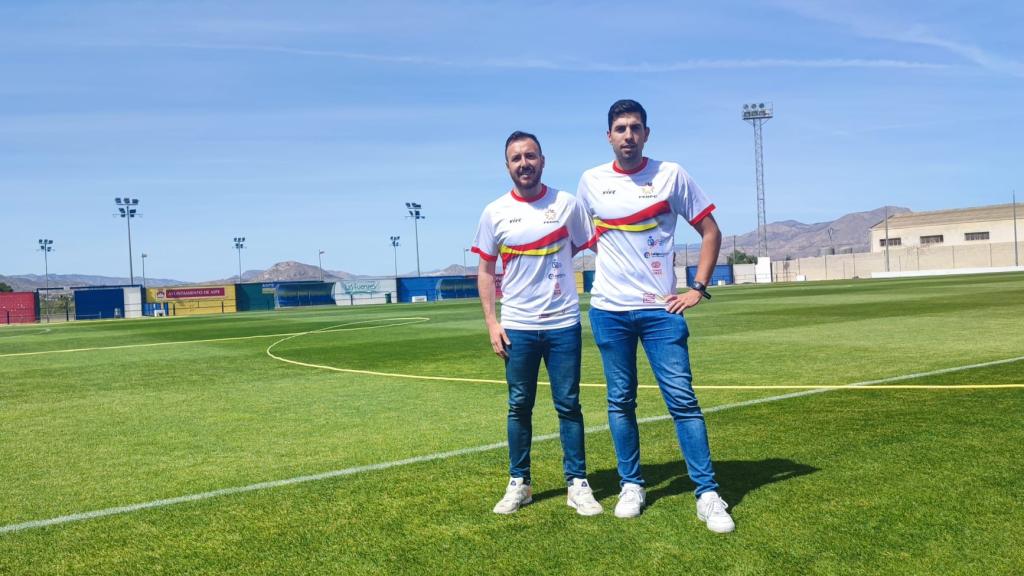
pixel 635 202
pixel 536 230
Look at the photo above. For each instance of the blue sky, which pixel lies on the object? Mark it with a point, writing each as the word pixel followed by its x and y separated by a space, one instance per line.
pixel 308 125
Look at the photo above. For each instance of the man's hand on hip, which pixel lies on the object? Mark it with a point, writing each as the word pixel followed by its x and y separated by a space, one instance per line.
pixel 677 303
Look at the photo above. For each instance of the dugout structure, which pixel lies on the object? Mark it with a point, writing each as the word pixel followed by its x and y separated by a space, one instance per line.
pixel 303 293
pixel 434 288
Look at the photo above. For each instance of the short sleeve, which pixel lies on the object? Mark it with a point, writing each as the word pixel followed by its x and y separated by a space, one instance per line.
pixel 484 244
pixel 688 200
pixel 581 226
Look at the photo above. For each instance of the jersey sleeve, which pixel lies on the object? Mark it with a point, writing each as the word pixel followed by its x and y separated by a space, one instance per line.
pixel 581 227
pixel 583 200
pixel 688 200
pixel 485 244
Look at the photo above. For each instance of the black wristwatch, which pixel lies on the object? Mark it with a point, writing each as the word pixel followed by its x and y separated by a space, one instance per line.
pixel 702 288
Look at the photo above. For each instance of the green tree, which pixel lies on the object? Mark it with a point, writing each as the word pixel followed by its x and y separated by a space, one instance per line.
pixel 741 257
pixel 4 287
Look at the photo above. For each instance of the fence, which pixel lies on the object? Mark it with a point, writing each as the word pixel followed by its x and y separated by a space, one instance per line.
pixel 900 259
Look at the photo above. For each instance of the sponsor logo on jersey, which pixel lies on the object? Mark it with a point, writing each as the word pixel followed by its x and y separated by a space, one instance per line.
pixel 555 263
pixel 649 298
pixel 647 190
pixel 558 289
pixel 656 254
pixel 552 276
pixel 609 192
pixel 514 220
pixel 651 241
pixel 656 264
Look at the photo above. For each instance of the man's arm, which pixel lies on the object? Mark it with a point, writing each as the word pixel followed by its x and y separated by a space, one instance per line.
pixel 710 244
pixel 485 285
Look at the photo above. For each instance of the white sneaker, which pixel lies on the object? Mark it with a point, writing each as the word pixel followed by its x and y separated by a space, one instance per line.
pixel 711 509
pixel 581 497
pixel 517 494
pixel 631 500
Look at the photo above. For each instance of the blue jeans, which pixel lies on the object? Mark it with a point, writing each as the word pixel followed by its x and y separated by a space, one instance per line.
pixel 664 339
pixel 560 349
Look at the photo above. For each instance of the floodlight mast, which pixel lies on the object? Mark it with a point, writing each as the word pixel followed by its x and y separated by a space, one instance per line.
pixel 758 114
pixel 239 245
pixel 144 256
pixel 415 212
pixel 320 260
pixel 46 246
pixel 394 246
pixel 127 208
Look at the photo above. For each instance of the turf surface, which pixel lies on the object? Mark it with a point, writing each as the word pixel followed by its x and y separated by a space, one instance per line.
pixel 844 482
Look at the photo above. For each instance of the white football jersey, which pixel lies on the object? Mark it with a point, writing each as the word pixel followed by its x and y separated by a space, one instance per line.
pixel 536 240
pixel 635 217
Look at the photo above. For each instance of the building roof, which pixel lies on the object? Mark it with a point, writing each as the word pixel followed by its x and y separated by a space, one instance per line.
pixel 957 216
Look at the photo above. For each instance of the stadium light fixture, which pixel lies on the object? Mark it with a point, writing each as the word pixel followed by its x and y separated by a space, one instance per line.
pixel 46 246
pixel 394 245
pixel 320 261
pixel 144 256
pixel 127 208
pixel 465 270
pixel 757 114
pixel 239 245
pixel 415 212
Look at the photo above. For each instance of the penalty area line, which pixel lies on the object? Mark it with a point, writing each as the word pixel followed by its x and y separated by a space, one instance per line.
pixel 82 516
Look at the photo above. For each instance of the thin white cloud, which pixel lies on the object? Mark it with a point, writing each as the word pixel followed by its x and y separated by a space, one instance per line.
pixel 543 64
pixel 869 26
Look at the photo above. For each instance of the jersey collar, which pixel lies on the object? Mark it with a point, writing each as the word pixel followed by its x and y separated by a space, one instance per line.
pixel 643 164
pixel 543 191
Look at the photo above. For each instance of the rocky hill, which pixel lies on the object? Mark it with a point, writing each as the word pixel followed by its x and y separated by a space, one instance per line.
pixel 850 233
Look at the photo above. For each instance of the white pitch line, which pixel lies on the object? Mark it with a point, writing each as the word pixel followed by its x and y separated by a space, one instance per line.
pixel 442 455
pixel 208 340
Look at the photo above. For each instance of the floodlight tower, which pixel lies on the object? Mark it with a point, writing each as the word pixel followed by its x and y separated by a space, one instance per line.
pixel 415 212
pixel 127 208
pixel 239 245
pixel 144 256
pixel 758 114
pixel 46 246
pixel 320 260
pixel 465 270
pixel 394 245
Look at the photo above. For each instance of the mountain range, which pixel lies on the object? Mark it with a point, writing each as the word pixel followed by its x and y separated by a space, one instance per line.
pixel 788 238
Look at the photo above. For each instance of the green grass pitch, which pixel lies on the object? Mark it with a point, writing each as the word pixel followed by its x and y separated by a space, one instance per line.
pixel 101 415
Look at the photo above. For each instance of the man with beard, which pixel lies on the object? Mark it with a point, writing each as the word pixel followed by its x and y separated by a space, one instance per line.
pixel 536 230
pixel 635 202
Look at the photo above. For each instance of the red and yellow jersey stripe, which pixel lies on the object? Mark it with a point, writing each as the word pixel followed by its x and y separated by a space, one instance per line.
pixel 549 244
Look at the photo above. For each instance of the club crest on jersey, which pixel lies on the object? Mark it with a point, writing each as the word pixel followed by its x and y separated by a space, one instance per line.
pixel 550 216
pixel 647 190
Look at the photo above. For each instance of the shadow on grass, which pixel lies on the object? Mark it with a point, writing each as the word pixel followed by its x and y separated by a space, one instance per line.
pixel 736 477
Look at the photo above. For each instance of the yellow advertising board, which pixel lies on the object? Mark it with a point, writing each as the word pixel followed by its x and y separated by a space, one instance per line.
pixel 579 281
pixel 191 300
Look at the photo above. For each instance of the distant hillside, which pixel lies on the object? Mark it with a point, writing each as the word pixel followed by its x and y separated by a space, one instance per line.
pixel 30 282
pixel 850 233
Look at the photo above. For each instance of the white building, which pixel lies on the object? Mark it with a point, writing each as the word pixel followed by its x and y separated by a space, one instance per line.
pixel 962 227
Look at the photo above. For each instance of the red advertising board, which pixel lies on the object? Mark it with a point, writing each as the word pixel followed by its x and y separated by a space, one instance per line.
pixel 497 285
pixel 17 307
pixel 181 293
